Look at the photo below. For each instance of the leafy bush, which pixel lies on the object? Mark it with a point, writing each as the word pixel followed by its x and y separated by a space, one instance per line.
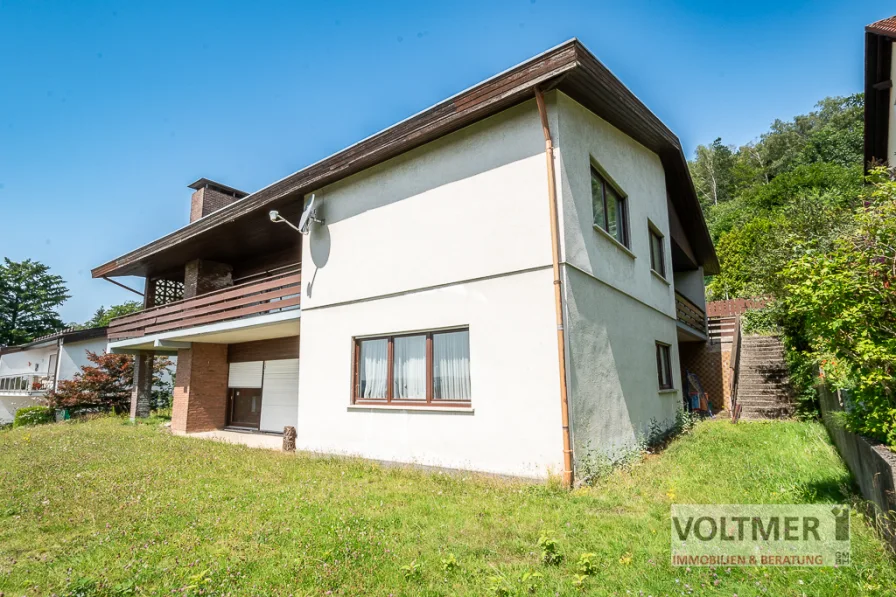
pixel 759 321
pixel 34 415
pixel 105 384
pixel 840 311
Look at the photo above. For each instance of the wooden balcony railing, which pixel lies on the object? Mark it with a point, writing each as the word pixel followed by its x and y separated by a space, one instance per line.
pixel 268 295
pixel 690 314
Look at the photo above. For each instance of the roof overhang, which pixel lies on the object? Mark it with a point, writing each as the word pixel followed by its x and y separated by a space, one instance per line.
pixel 67 336
pixel 569 67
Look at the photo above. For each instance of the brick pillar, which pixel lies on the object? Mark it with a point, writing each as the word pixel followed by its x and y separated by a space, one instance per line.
pixel 141 394
pixel 202 276
pixel 200 388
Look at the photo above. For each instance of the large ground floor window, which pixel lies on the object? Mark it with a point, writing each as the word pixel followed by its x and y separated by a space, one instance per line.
pixel 423 368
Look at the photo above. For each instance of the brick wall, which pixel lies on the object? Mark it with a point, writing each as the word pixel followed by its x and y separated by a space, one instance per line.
pixel 710 363
pixel 207 200
pixel 202 276
pixel 200 388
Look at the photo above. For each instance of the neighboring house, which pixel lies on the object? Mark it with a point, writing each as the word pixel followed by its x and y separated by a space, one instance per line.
pixel 417 321
pixel 880 97
pixel 29 371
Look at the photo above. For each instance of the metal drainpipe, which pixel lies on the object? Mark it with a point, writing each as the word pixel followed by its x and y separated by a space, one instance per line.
pixel 558 295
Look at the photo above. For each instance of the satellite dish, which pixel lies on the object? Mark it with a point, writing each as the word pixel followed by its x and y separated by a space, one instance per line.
pixel 308 216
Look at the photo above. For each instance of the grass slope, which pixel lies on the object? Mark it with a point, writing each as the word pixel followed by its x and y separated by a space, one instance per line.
pixel 107 508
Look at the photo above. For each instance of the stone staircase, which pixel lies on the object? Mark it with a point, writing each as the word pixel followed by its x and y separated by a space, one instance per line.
pixel 763 386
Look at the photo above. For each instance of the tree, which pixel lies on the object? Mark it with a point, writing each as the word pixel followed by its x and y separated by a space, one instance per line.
pixel 713 171
pixel 103 316
pixel 106 384
pixel 29 296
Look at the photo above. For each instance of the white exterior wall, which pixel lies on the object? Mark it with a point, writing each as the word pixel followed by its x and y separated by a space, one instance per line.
pixel 73 356
pixel 891 133
pixel 691 285
pixel 16 363
pixel 455 233
pixel 616 308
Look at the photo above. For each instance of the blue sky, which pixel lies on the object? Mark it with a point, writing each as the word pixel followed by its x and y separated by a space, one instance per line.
pixel 109 109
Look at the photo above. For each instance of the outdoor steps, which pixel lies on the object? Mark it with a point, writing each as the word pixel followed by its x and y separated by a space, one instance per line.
pixel 763 387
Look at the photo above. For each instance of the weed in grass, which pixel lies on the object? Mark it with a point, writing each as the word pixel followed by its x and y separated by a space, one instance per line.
pixel 550 551
pixel 412 571
pixel 530 580
pixel 499 586
pixel 587 564
pixel 449 564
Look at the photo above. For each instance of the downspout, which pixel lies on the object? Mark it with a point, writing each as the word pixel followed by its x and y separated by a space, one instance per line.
pixel 558 294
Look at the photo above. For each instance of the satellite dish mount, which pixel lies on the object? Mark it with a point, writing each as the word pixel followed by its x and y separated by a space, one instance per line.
pixel 308 216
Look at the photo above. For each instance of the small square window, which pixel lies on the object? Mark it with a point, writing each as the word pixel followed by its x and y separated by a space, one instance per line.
pixel 609 208
pixel 657 254
pixel 664 365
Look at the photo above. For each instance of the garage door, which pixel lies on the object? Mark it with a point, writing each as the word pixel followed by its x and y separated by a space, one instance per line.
pixel 280 395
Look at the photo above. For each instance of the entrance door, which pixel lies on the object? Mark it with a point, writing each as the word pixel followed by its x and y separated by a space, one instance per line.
pixel 245 407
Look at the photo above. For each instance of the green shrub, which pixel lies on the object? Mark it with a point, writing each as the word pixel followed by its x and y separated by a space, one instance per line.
pixel 34 415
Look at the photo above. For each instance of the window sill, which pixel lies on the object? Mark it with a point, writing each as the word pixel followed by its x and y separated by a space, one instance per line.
pixel 668 391
pixel 461 410
pixel 614 240
pixel 660 277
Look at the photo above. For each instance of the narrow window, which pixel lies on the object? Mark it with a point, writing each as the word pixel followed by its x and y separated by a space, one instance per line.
pixel 421 368
pixel 451 365
pixel 657 255
pixel 609 208
pixel 664 366
pixel 409 368
pixel 372 368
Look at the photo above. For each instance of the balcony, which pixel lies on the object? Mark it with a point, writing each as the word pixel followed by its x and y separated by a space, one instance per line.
pixel 270 295
pixel 25 384
pixel 690 316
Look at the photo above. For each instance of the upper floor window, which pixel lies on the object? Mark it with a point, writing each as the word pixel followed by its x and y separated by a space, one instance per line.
pixel 610 212
pixel 657 255
pixel 425 368
pixel 664 365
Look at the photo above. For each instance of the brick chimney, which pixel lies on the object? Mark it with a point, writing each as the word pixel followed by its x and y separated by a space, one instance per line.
pixel 210 196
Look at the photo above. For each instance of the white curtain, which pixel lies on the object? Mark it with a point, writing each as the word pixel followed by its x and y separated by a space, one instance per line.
pixel 374 365
pixel 409 374
pixel 451 366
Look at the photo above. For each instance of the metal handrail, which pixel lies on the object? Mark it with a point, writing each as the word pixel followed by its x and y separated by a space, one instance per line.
pixel 734 366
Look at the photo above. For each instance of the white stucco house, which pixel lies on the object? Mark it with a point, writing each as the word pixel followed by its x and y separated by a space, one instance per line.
pixel 29 371
pixel 497 283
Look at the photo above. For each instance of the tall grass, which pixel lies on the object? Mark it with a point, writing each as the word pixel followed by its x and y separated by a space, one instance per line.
pixel 108 508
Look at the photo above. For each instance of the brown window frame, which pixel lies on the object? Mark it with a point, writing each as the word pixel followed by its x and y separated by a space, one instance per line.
pixel 664 365
pixel 390 372
pixel 655 234
pixel 621 212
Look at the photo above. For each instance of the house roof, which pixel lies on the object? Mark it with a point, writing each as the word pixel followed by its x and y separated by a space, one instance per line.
pixel 67 335
pixel 883 27
pixel 569 67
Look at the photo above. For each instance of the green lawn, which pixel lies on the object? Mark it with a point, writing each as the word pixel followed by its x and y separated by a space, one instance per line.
pixel 107 508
